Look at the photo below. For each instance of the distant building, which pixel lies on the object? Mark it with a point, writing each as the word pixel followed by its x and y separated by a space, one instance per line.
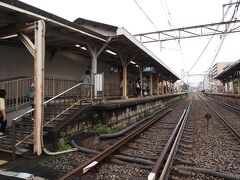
pixel 178 86
pixel 218 68
pixel 206 83
pixel 200 86
pixel 215 85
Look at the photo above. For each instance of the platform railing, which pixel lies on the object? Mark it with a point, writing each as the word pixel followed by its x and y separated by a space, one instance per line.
pixel 17 89
pixel 111 89
pixel 54 108
pixel 55 85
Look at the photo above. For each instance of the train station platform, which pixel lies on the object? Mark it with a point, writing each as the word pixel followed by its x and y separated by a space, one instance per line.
pixel 112 113
pixel 118 103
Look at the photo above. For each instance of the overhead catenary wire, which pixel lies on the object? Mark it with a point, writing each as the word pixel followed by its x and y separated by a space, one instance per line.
pixel 218 49
pixel 170 22
pixel 206 46
pixel 167 13
pixel 146 15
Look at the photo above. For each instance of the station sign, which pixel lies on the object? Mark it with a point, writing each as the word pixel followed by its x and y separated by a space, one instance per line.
pixel 149 70
pixel 208 116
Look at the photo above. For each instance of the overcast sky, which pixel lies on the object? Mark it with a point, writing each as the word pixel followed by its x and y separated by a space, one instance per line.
pixel 127 14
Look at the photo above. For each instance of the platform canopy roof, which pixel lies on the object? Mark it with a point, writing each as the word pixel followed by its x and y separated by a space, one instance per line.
pixel 63 35
pixel 230 73
pixel 16 15
pixel 123 42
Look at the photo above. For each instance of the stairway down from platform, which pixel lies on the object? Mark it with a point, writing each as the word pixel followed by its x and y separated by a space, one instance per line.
pixel 19 138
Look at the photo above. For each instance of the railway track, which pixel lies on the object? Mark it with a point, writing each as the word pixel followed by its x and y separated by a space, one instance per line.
pixel 234 109
pixel 179 144
pixel 230 115
pixel 144 150
pixel 208 149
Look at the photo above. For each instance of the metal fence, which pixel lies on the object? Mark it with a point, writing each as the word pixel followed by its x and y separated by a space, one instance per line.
pixel 17 89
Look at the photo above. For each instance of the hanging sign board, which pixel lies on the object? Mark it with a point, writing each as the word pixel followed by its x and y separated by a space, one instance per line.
pixel 149 70
pixel 237 74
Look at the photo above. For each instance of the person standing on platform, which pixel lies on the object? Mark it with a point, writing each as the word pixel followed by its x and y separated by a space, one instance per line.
pixel 30 95
pixel 3 114
pixel 144 88
pixel 148 87
pixel 138 87
pixel 86 79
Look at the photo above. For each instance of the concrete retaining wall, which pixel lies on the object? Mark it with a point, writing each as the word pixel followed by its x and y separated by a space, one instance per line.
pixel 122 117
pixel 114 117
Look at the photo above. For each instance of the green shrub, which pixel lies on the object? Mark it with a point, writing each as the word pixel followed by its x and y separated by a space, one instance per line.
pixel 102 129
pixel 63 144
pixel 146 113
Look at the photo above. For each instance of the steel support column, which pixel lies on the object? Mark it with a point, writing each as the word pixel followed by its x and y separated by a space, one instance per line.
pixel 141 81
pixel 151 85
pixel 233 87
pixel 170 87
pixel 239 86
pixel 38 51
pixel 39 57
pixel 124 82
pixel 166 87
pixel 94 57
pixel 125 62
pixel 173 88
pixel 227 84
pixel 157 85
pixel 94 53
pixel 162 87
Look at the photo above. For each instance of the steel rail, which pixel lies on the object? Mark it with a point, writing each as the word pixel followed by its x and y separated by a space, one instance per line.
pixel 159 163
pixel 220 118
pixel 104 154
pixel 232 108
pixel 167 166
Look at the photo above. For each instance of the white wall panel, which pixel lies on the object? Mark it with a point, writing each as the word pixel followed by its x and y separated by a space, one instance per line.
pixel 17 62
